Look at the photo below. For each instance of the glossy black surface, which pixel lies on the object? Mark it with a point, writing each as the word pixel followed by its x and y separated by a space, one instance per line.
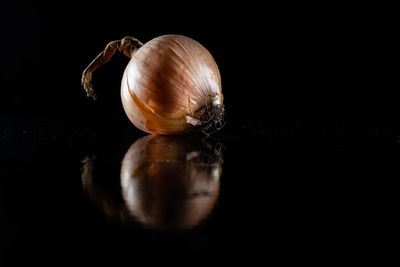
pixel 295 186
pixel 309 155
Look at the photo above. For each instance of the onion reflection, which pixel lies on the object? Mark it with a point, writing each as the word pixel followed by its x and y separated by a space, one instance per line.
pixel 167 182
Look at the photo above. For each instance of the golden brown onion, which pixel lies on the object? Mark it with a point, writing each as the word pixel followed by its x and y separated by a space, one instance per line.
pixel 171 85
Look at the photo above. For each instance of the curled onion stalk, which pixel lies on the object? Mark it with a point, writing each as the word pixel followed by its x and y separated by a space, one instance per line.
pixel 171 85
pixel 127 45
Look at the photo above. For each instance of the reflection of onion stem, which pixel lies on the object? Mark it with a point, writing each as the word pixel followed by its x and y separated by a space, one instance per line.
pixel 102 196
pixel 87 168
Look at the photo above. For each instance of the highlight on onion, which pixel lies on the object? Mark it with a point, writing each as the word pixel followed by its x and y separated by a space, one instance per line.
pixel 167 182
pixel 171 85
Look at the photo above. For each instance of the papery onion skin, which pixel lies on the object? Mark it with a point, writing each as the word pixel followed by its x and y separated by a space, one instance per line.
pixel 167 79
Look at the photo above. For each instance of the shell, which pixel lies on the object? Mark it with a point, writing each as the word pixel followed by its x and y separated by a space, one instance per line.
pixel 166 82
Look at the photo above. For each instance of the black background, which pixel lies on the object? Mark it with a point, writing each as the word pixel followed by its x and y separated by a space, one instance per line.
pixel 311 143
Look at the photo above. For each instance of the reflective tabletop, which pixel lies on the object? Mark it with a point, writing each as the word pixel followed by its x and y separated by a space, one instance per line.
pixel 89 191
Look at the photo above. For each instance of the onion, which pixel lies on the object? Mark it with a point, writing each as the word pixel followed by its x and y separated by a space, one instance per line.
pixel 171 85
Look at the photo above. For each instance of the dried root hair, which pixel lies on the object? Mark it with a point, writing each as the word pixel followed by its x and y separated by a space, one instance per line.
pixel 213 119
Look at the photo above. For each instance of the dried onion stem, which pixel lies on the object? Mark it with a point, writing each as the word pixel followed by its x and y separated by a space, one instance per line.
pixel 127 45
